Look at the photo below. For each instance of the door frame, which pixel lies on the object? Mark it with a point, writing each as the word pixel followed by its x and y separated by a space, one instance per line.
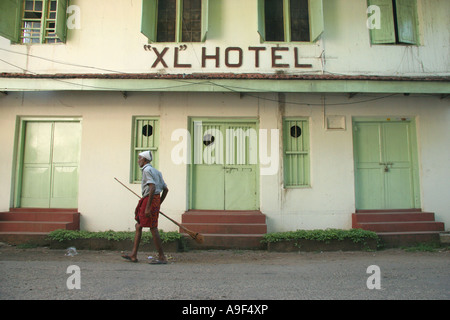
pixel 190 173
pixel 414 152
pixel 18 152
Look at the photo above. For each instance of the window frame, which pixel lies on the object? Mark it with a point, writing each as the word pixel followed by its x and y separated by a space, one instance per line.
pixel 136 147
pixel 149 21
pixel 12 13
pixel 397 17
pixel 304 151
pixel 316 21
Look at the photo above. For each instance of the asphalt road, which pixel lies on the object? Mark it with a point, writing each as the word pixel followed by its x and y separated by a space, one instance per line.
pixel 45 274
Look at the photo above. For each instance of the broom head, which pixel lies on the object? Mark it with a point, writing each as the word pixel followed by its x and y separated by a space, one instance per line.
pixel 196 236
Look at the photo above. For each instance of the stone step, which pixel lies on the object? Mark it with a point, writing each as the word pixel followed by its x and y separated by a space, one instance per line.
pixel 24 225
pixel 402 226
pixel 393 217
pixel 226 229
pixel 229 241
pixel 33 226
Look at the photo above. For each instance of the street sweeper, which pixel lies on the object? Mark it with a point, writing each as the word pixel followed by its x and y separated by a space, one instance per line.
pixel 154 192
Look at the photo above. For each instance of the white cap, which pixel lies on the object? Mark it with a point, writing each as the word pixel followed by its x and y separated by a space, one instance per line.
pixel 147 155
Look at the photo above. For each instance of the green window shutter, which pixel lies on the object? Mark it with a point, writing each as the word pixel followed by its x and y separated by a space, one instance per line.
pixel 149 19
pixel 316 23
pixel 10 11
pixel 407 22
pixel 61 20
pixel 261 19
pixel 387 32
pixel 205 16
pixel 145 137
pixel 296 152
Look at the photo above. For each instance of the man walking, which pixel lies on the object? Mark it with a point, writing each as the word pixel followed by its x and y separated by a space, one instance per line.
pixel 147 210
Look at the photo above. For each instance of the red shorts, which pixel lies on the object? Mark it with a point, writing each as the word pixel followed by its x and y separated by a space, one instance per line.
pixel 152 221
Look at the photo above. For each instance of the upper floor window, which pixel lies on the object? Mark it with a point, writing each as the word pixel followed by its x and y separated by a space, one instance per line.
pixel 33 21
pixel 398 22
pixel 175 20
pixel 290 20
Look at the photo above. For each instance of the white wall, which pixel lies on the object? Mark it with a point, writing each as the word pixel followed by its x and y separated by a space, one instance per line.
pixel 110 40
pixel 329 202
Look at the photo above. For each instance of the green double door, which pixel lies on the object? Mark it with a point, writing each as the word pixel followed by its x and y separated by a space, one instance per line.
pixel 49 164
pixel 225 170
pixel 386 173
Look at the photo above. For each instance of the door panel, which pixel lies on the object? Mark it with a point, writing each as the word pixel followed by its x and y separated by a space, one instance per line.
pixel 35 186
pixel 396 143
pixel 370 188
pixel 208 179
pixel 225 166
pixel 50 165
pixel 369 178
pixel 65 187
pixel 66 152
pixel 36 165
pixel 240 189
pixel 399 191
pixel 208 192
pixel 384 165
pixel 397 151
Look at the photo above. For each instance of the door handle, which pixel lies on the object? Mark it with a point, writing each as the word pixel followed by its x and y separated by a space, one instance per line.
pixel 386 165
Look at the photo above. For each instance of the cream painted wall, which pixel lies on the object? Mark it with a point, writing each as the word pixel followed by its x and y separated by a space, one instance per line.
pixel 329 202
pixel 110 40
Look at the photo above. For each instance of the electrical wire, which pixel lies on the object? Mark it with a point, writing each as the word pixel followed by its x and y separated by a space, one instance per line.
pixel 186 83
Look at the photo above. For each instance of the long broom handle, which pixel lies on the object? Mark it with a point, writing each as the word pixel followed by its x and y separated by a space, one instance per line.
pixel 128 188
pixel 159 212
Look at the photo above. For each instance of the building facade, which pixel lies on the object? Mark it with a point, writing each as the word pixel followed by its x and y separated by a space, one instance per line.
pixel 304 110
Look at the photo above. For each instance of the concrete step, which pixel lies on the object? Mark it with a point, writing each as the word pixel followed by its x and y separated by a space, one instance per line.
pixel 57 216
pixel 227 228
pixel 400 227
pixel 229 241
pixel 393 217
pixel 23 225
pixel 33 226
pixel 206 216
pixel 398 239
pixel 17 238
pixel 407 226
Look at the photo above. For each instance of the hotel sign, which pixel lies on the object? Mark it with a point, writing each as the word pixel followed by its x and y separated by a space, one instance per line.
pixel 230 57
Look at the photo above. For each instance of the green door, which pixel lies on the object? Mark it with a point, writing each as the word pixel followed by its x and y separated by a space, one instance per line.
pixel 224 175
pixel 50 165
pixel 385 170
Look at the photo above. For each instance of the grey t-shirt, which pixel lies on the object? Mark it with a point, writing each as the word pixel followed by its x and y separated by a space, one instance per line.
pixel 151 175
